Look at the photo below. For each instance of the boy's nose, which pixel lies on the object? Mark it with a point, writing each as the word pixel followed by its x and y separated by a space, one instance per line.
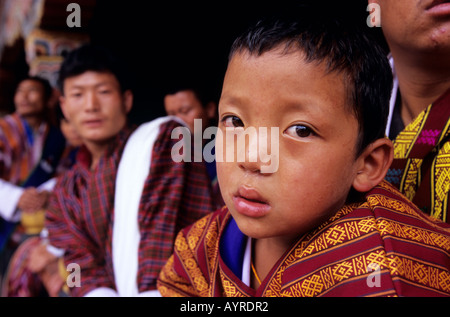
pixel 256 151
pixel 247 152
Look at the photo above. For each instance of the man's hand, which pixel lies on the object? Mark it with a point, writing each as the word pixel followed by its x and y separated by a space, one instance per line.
pixel 32 200
pixel 39 258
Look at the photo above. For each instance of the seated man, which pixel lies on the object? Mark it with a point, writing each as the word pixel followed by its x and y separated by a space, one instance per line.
pixel 117 211
pixel 320 222
pixel 191 104
pixel 30 150
pixel 33 269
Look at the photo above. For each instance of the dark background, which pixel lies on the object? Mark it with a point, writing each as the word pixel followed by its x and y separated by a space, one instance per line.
pixel 165 42
pixel 171 42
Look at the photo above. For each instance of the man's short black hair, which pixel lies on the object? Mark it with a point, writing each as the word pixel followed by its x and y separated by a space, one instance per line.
pixel 199 91
pixel 48 90
pixel 325 34
pixel 92 57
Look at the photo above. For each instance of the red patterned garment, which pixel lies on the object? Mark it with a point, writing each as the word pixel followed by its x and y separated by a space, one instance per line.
pixel 80 217
pixel 383 246
pixel 19 281
pixel 16 159
pixel 421 168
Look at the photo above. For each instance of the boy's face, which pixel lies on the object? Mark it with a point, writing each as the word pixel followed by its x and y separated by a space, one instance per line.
pixel 317 144
pixel 95 106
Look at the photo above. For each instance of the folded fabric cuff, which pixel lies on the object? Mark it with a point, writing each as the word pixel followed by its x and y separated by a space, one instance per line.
pixel 102 292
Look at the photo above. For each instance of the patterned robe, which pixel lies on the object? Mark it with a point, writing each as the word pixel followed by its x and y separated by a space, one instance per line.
pixel 383 246
pixel 80 217
pixel 19 167
pixel 421 167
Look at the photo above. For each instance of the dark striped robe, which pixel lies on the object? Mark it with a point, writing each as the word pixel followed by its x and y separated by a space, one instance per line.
pixel 80 217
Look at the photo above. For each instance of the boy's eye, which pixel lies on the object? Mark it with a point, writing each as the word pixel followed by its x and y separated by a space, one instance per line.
pixel 232 122
pixel 299 130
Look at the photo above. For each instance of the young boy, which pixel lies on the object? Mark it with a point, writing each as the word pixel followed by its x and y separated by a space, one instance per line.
pixel 116 212
pixel 324 223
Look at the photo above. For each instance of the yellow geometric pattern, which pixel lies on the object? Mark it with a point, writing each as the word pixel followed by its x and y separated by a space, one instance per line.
pixel 412 178
pixel 358 267
pixel 404 141
pixel 339 233
pixel 441 182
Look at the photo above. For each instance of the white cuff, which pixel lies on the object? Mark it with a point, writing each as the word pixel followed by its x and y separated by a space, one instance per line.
pixel 102 292
pixel 9 198
pixel 55 251
pixel 154 293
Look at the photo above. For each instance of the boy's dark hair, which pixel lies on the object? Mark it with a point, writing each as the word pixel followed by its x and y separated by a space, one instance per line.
pixel 326 35
pixel 48 90
pixel 91 57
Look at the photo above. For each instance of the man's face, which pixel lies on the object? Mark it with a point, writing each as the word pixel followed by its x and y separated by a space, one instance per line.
pixel 422 25
pixel 95 106
pixel 29 98
pixel 185 105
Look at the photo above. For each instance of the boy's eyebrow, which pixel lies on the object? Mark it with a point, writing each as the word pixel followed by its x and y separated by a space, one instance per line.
pixel 231 99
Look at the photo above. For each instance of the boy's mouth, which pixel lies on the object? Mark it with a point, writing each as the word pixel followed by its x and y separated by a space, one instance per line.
pixel 248 202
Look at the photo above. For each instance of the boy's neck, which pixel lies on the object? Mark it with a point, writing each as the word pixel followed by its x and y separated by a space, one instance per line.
pixel 265 254
pixel 420 83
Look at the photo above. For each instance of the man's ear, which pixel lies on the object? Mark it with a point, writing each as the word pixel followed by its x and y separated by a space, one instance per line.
pixel 128 100
pixel 211 110
pixel 62 104
pixel 373 164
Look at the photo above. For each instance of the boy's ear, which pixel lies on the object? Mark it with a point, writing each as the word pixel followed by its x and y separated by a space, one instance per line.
pixel 373 164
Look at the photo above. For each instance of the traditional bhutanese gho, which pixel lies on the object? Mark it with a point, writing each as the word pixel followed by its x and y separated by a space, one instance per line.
pixel 382 246
pixel 421 166
pixel 26 159
pixel 81 217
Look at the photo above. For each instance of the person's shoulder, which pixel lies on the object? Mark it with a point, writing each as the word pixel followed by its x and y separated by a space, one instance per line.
pixel 390 206
pixel 67 181
pixel 10 120
pixel 214 220
pixel 157 125
pixel 208 227
pixel 157 131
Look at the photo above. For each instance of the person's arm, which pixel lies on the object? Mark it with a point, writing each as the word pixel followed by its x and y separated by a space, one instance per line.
pixel 65 231
pixel 176 281
pixel 9 196
pixel 189 272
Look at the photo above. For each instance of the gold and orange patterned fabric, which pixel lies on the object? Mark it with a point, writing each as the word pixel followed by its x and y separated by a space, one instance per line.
pixel 382 246
pixel 421 167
